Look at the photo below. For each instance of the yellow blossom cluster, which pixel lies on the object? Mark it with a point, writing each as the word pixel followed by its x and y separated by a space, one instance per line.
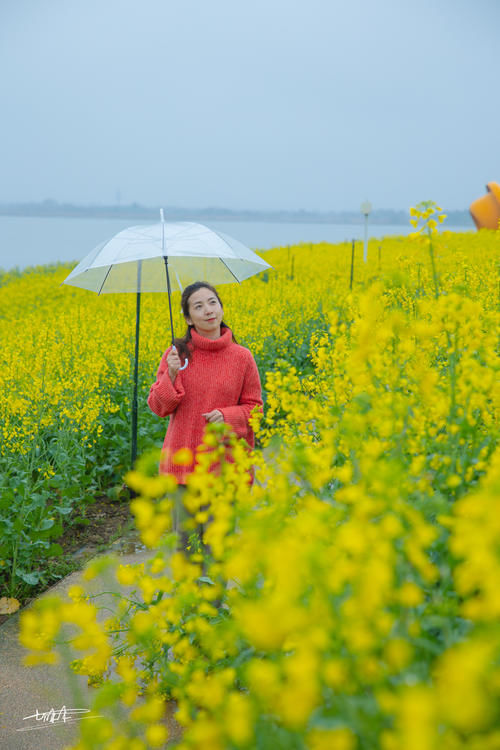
pixel 346 598
pixel 325 617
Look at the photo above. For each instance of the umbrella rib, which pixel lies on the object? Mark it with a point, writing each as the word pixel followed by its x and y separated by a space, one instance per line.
pixel 225 264
pixel 225 242
pixel 104 281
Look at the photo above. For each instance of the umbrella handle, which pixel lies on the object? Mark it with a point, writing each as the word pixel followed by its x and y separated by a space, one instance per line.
pixel 186 362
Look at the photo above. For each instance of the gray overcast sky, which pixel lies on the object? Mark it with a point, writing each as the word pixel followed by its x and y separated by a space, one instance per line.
pixel 313 104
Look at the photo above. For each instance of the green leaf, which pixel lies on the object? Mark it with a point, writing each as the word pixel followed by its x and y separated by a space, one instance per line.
pixel 55 550
pixel 47 523
pixel 30 578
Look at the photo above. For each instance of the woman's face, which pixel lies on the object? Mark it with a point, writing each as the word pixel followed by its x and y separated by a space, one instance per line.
pixel 205 313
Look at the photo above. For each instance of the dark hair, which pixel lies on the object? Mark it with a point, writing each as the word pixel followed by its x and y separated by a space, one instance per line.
pixel 182 344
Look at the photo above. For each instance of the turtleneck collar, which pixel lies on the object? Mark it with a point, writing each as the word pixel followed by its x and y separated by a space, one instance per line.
pixel 212 345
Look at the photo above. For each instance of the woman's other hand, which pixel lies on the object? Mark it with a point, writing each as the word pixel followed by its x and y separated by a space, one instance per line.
pixel 173 363
pixel 213 416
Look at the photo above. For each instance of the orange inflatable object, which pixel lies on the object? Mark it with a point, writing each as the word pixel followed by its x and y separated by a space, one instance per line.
pixel 486 210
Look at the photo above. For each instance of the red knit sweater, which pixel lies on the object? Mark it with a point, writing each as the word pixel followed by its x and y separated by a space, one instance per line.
pixel 220 375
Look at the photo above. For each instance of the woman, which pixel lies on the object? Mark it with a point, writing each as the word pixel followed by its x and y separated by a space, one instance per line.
pixel 220 384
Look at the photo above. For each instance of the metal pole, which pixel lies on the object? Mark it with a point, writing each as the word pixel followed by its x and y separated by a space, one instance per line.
pixel 366 208
pixel 365 251
pixel 136 366
pixel 165 258
pixel 352 263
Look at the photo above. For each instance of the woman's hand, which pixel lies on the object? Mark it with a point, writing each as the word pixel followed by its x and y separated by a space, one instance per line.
pixel 173 363
pixel 213 416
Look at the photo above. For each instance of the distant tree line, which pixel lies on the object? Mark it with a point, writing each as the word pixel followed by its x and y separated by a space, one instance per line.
pixel 174 213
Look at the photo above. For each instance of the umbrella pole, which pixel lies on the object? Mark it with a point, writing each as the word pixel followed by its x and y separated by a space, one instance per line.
pixel 136 368
pixel 169 290
pixel 165 258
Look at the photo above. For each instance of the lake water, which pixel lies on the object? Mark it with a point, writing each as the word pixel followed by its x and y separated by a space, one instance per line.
pixel 29 241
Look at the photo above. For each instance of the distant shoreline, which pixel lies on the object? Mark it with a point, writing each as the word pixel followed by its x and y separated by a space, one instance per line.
pixel 53 209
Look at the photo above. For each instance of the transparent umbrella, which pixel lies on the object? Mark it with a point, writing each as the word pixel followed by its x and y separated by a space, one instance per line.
pixel 163 257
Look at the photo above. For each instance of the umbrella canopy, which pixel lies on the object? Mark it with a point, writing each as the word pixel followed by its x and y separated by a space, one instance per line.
pixel 161 258
pixel 193 251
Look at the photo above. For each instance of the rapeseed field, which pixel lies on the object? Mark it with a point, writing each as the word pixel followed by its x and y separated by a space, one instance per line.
pixel 350 600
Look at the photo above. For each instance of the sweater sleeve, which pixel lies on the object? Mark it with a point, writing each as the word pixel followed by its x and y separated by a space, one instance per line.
pixel 251 396
pixel 165 396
